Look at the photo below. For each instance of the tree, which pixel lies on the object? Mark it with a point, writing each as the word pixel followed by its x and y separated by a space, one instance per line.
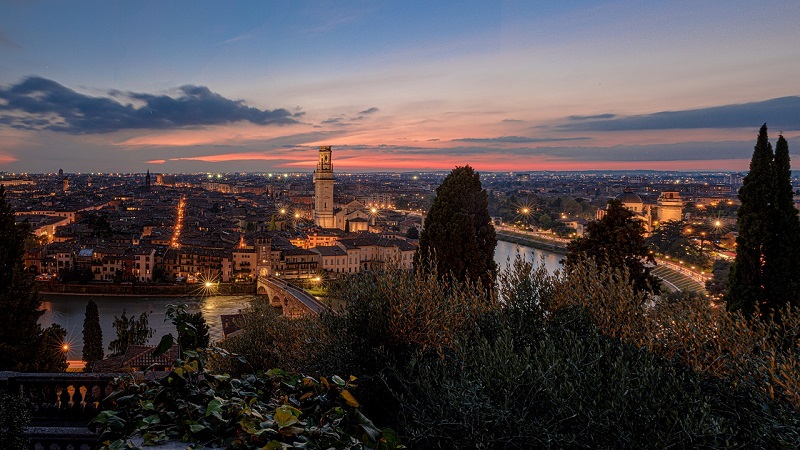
pixel 412 233
pixel 130 331
pixel 458 237
pixel 51 355
pixel 617 240
pixel 746 291
pixel 20 331
pixel 92 336
pixel 782 246
pixel 763 277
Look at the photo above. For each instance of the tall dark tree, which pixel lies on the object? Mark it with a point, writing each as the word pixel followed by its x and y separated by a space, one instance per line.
pixel 130 331
pixel 746 291
pixel 19 302
pixel 782 246
pixel 618 240
pixel 458 232
pixel 92 336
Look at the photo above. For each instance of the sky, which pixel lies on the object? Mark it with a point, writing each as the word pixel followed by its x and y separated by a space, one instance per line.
pixel 201 86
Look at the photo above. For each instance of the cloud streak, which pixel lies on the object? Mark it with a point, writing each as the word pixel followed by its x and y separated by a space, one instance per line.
pixel 518 140
pixel 780 113
pixel 40 104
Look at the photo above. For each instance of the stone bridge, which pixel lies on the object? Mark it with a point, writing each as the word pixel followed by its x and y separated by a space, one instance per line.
pixel 294 301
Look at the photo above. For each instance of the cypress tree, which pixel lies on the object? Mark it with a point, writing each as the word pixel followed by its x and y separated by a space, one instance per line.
pixel 755 216
pixel 92 336
pixel 20 331
pixel 782 247
pixel 458 233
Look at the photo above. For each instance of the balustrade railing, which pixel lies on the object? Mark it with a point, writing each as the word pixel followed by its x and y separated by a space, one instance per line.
pixel 62 405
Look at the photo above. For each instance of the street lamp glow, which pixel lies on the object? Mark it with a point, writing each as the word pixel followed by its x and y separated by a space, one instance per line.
pixel 65 347
pixel 209 284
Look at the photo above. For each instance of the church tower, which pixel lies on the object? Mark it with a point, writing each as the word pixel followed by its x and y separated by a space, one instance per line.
pixel 323 190
pixel 147 180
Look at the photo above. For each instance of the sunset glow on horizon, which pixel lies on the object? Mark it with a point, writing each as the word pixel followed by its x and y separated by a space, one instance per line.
pixel 395 87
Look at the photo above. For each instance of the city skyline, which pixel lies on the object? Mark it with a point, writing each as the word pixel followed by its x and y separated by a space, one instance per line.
pixel 257 87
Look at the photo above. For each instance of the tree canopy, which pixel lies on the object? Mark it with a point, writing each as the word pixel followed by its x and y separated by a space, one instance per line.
pixel 458 237
pixel 92 336
pixel 130 331
pixel 617 240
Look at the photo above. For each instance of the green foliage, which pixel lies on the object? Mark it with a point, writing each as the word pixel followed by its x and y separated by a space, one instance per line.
pixel 755 217
pixel 192 327
pixel 458 235
pixel 92 336
pixel 19 302
pixel 782 245
pixel 15 414
pixel 272 410
pixel 670 239
pixel 130 331
pixel 617 240
pixel 269 340
pixel 717 286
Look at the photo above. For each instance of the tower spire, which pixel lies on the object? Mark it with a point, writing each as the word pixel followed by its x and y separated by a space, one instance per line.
pixel 323 190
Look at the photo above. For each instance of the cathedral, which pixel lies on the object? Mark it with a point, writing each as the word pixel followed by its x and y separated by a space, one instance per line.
pixel 354 216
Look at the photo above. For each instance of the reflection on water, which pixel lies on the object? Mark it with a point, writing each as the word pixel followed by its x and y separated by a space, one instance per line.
pixel 506 252
pixel 68 310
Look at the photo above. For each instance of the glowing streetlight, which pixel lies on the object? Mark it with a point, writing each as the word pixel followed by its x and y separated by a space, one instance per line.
pixel 65 347
pixel 209 284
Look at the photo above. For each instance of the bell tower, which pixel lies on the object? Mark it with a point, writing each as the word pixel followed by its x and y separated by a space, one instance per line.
pixel 323 190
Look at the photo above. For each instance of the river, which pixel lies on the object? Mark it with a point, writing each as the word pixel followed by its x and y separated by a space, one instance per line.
pixel 68 310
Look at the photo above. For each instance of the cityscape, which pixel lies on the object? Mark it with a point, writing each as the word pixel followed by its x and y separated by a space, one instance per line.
pixel 383 225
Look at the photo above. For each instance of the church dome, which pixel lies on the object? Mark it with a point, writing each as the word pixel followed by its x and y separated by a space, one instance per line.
pixel 628 197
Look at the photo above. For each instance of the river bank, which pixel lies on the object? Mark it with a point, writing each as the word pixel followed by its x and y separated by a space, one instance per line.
pixel 532 241
pixel 144 290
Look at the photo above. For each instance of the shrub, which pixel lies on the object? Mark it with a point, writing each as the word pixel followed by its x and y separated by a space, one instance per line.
pixel 273 410
pixel 15 414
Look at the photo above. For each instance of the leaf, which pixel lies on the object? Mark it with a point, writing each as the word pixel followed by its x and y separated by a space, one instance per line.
pixel 369 428
pixel 196 428
pixel 306 395
pixel 167 341
pixel 273 445
pixel 338 380
pixel 152 420
pixel 214 406
pixel 286 415
pixel 349 399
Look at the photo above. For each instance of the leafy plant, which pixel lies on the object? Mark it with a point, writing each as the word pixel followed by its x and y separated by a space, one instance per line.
pixel 272 410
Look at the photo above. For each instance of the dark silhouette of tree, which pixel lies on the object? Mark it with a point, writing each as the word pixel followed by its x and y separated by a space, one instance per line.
pixel 746 291
pixel 130 331
pixel 617 240
pixel 195 335
pixel 412 233
pixel 764 275
pixel 458 233
pixel 20 332
pixel 92 336
pixel 51 355
pixel 782 244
